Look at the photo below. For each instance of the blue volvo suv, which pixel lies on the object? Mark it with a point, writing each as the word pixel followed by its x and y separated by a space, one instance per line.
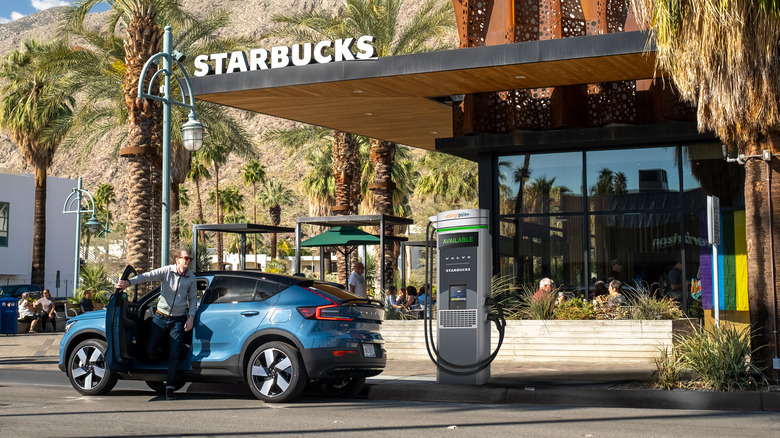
pixel 276 333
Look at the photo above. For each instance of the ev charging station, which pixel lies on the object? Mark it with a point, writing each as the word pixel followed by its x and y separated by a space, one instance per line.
pixel 465 303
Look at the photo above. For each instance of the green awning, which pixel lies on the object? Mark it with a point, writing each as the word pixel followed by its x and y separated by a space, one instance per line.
pixel 342 236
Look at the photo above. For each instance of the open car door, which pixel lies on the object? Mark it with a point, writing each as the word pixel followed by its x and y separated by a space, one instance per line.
pixel 121 327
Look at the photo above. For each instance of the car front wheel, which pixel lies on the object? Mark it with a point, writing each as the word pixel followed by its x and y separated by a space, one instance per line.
pixel 275 372
pixel 87 369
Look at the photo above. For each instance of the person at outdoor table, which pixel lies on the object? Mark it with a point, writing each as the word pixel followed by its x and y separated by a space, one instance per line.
pixel 676 281
pixel 545 288
pixel 86 302
pixel 411 297
pixel 616 299
pixel 27 311
pixel 392 301
pixel 357 282
pixel 47 311
pixel 400 299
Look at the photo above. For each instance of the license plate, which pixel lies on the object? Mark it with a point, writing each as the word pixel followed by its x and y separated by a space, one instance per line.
pixel 368 350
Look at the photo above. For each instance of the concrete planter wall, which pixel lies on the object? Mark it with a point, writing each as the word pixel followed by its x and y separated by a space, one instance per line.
pixel 595 341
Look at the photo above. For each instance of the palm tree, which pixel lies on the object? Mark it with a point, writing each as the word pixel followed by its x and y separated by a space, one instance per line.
pixel 253 173
pixel 448 178
pixel 120 63
pixel 36 111
pixel 273 196
pixel 198 171
pixel 104 195
pixel 521 175
pixel 381 18
pixel 723 56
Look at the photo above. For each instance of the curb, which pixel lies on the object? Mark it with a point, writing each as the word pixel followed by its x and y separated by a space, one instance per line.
pixel 653 399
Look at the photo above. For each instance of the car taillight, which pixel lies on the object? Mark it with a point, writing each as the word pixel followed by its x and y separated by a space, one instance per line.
pixel 328 312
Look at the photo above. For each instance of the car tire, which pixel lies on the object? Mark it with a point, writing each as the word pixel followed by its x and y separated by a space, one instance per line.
pixel 275 372
pixel 87 369
pixel 159 387
pixel 348 387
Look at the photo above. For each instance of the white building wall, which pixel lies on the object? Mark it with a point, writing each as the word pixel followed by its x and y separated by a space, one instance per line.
pixel 18 189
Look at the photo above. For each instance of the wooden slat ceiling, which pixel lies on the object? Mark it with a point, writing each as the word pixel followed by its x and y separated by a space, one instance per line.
pixel 389 98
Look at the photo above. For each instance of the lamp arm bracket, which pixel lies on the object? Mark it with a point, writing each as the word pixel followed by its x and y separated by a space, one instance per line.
pixel 73 197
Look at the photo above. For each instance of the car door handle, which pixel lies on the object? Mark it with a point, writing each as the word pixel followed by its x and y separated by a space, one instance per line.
pixel 250 313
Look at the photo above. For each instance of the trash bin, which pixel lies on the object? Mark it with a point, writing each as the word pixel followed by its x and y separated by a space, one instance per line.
pixel 8 316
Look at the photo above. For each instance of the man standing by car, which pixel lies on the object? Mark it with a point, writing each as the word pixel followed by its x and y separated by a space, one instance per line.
pixel 175 311
pixel 357 283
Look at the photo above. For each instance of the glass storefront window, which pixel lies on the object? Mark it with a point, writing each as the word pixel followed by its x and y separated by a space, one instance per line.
pixel 540 183
pixel 705 172
pixel 615 173
pixel 531 248
pixel 634 247
pixel 630 221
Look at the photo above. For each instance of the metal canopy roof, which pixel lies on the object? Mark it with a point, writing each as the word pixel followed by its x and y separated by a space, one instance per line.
pixel 242 228
pixel 342 236
pixel 392 98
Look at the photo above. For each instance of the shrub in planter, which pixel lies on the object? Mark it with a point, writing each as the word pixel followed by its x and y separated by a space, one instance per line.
pixel 719 357
pixel 645 306
pixel 575 308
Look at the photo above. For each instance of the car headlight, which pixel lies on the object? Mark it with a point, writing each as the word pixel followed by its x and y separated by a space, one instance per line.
pixel 69 325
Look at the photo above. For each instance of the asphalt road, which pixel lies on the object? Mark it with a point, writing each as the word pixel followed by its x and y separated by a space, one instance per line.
pixel 41 404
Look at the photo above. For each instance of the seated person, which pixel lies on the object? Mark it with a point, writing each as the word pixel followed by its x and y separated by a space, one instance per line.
pixel 411 297
pixel 392 301
pixel 616 299
pixel 545 288
pixel 599 289
pixel 27 311
pixel 47 311
pixel 86 302
pixel 400 299
pixel 675 281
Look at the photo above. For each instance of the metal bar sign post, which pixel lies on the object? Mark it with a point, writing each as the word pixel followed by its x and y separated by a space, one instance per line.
pixel 713 237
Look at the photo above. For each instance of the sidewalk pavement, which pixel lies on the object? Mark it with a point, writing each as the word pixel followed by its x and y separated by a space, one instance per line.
pixel 557 384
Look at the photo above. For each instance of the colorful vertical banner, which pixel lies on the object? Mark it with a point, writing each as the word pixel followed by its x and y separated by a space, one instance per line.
pixel 732 265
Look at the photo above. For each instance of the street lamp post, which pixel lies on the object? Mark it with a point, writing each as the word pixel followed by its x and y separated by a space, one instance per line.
pixel 73 205
pixel 192 131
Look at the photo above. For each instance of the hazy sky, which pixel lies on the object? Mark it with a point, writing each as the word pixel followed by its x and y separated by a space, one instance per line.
pixel 14 9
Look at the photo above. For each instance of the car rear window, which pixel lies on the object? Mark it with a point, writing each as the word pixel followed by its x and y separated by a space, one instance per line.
pixel 337 292
pixel 229 289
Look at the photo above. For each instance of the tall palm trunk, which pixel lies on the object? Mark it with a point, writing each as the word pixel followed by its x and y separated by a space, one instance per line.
pixel 762 252
pixel 39 228
pixel 218 212
pixel 180 166
pixel 275 213
pixel 254 220
pixel 383 157
pixel 346 173
pixel 143 143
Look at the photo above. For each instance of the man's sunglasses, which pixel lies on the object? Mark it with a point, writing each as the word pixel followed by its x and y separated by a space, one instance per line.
pixel 189 259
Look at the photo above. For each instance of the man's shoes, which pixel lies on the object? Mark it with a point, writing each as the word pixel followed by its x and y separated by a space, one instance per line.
pixel 169 394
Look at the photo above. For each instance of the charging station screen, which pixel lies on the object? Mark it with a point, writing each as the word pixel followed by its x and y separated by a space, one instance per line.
pixel 457 293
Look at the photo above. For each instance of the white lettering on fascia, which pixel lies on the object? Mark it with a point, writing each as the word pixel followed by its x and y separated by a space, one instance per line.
pixel 344 49
pixel 319 52
pixel 280 56
pixel 258 59
pixel 323 52
pixel 238 62
pixel 219 62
